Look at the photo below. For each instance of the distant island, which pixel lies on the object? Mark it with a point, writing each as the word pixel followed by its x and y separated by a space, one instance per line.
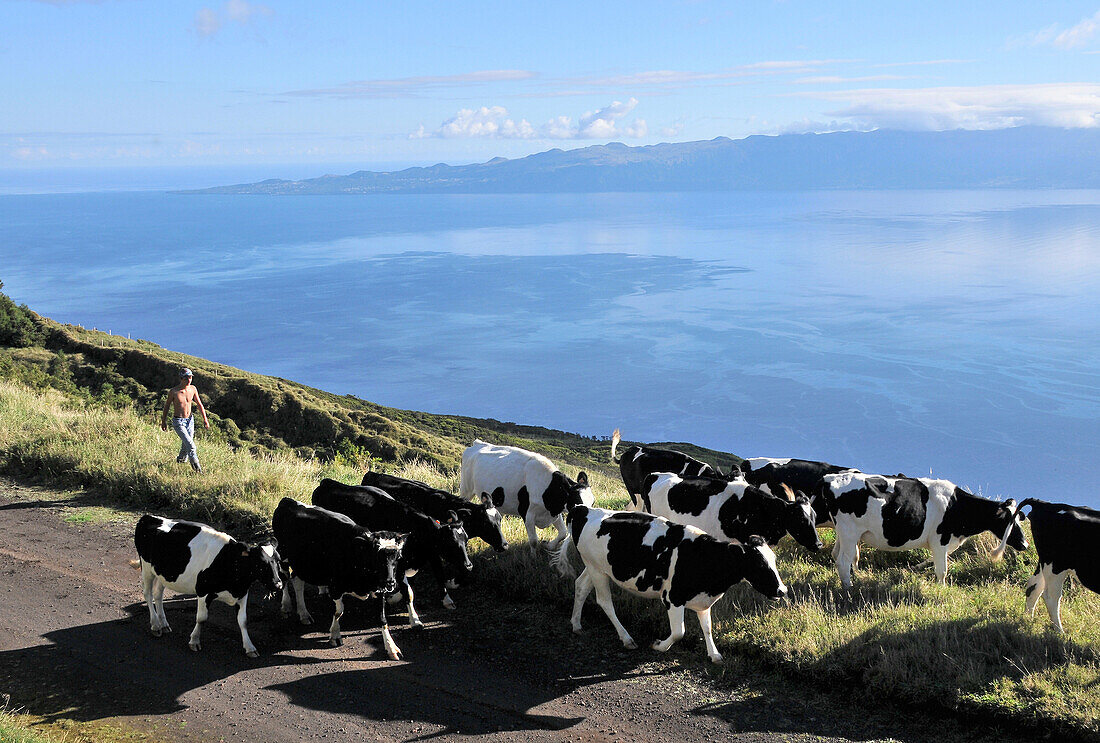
pixel 1022 157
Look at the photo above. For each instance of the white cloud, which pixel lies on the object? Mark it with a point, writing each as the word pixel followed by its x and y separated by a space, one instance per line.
pixel 1071 105
pixel 208 21
pixel 1079 35
pixel 1073 37
pixel 494 122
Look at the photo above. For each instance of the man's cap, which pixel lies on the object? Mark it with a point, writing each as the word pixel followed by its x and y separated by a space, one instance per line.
pixel 185 372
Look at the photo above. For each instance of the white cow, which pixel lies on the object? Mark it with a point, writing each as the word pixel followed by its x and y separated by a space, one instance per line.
pixel 523 483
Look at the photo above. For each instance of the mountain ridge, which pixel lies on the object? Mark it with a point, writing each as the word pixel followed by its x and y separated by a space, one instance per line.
pixel 1021 157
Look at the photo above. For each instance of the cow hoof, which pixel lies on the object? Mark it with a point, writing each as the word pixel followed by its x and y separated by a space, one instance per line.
pixel 156 631
pixel 335 642
pixel 196 646
pixel 305 620
pixel 630 645
pixel 395 655
pixel 252 654
pixel 416 625
pixel 716 659
pixel 448 603
pixel 576 629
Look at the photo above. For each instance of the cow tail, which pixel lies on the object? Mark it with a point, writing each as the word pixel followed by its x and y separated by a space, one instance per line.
pixel 560 559
pixel 615 438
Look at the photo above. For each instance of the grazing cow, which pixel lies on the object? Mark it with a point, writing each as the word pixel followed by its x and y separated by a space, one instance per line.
pixel 638 462
pixel 525 484
pixel 481 520
pixel 897 514
pixel 439 545
pixel 731 509
pixel 1065 539
pixel 653 558
pixel 797 474
pixel 324 548
pixel 193 558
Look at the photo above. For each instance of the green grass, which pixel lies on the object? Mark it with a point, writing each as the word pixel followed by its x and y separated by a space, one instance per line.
pixel 897 635
pixel 15 728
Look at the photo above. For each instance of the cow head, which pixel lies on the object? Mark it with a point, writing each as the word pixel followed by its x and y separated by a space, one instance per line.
pixel 800 521
pixel 580 493
pixel 485 523
pixel 760 570
pixel 264 562
pixel 449 543
pixel 375 557
pixel 563 493
pixel 1009 522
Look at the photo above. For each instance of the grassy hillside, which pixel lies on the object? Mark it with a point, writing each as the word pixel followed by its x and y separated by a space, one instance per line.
pixel 65 418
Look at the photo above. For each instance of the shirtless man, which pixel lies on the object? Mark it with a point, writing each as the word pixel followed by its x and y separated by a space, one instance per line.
pixel 180 399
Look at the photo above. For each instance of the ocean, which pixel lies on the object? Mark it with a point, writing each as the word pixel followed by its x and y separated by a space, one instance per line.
pixel 955 333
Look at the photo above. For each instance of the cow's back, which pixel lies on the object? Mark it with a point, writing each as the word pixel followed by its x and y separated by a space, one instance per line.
pixel 487 467
pixel 1066 538
pixel 315 541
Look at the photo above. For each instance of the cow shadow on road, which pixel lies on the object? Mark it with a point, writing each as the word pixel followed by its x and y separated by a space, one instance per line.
pixel 112 668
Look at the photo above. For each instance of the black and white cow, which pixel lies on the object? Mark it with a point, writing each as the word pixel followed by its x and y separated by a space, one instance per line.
pixel 799 475
pixel 654 558
pixel 481 520
pixel 193 558
pixel 897 514
pixel 523 483
pixel 324 548
pixel 638 462
pixel 1066 539
pixel 441 546
pixel 730 509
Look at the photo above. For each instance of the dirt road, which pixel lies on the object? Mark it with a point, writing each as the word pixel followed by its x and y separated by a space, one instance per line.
pixel 75 645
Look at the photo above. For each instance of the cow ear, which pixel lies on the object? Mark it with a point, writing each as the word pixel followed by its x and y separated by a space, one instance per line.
pixel 452 517
pixel 464 514
pixel 582 479
pixel 756 541
pixel 274 543
pixel 801 497
pixel 743 467
pixel 486 500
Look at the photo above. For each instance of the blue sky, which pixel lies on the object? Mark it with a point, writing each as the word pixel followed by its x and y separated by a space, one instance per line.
pixel 181 83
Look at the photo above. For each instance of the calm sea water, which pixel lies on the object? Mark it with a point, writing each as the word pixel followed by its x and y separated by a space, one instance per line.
pixel 956 333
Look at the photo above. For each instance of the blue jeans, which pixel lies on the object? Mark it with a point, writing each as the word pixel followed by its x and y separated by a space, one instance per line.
pixel 185 429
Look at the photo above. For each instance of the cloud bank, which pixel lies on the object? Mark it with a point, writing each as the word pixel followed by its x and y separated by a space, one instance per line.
pixel 495 123
pixel 1070 105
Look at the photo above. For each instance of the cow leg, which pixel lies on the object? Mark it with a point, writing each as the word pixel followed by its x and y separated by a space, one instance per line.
pixel 603 598
pixel 158 603
pixel 242 622
pixel 1036 586
pixel 559 524
pixel 201 613
pixel 1052 595
pixel 300 595
pixel 846 551
pixel 532 534
pixel 675 627
pixel 392 650
pixel 334 638
pixel 708 637
pixel 939 561
pixel 148 578
pixel 285 605
pixel 414 619
pixel 581 588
